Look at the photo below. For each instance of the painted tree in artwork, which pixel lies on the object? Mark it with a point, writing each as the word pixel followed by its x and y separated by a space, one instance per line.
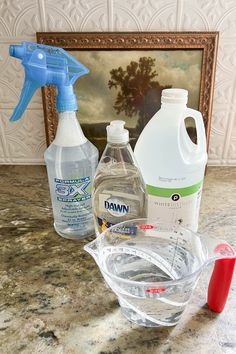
pixel 138 90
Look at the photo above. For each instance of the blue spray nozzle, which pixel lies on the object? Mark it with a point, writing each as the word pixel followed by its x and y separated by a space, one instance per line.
pixel 16 51
pixel 46 65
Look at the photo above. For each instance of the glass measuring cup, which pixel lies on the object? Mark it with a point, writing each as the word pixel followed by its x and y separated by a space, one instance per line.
pixel 153 269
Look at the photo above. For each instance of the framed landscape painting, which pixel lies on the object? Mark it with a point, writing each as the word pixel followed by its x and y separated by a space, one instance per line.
pixel 128 71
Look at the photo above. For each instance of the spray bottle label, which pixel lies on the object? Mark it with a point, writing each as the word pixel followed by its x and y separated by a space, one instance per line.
pixel 72 190
pixel 74 201
pixel 175 205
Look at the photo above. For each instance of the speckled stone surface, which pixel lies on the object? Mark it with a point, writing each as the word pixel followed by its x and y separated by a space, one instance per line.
pixel 52 296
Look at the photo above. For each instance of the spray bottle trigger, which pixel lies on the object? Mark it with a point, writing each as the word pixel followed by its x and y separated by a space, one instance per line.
pixel 27 92
pixel 47 65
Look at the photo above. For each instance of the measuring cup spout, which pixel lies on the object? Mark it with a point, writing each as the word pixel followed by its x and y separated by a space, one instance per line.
pixel 224 256
pixel 92 249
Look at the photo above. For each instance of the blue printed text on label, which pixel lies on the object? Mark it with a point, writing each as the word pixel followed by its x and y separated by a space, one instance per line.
pixel 72 190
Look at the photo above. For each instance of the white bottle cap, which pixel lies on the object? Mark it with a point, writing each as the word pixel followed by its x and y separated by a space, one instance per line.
pixel 116 132
pixel 174 95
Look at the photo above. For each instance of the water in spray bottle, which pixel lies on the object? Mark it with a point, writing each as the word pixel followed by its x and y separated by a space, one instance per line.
pixel 71 159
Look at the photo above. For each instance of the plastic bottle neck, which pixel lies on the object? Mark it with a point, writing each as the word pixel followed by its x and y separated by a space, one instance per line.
pixel 69 132
pixel 117 145
pixel 174 106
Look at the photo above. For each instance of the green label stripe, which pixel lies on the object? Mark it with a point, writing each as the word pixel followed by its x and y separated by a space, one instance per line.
pixel 168 192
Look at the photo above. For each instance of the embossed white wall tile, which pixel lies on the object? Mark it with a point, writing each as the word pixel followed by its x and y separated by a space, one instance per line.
pixel 144 15
pixel 3 142
pixel 216 148
pixel 124 17
pixel 24 140
pixel 231 160
pixel 76 15
pixel 226 23
pixel 216 15
pixel 202 15
pixel 222 105
pixel 226 56
pixel 96 20
pixel 191 18
pixel 19 18
pixel 233 133
pixel 230 131
pixel 12 80
pixel 224 113
pixel 164 19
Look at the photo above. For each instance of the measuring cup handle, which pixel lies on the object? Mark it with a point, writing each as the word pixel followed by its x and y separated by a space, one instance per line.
pixel 220 282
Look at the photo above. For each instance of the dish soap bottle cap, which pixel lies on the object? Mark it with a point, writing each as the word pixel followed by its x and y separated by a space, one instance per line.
pixel 174 95
pixel 116 133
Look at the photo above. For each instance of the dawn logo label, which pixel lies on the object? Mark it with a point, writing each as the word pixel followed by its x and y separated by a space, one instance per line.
pixel 116 207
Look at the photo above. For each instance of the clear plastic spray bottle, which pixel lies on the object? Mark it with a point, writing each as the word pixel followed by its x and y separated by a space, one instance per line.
pixel 71 159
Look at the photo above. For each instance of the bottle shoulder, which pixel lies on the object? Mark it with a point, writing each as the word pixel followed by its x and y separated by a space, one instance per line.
pixel 86 151
pixel 118 153
pixel 118 176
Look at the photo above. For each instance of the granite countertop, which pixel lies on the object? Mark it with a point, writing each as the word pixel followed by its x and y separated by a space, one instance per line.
pixel 53 298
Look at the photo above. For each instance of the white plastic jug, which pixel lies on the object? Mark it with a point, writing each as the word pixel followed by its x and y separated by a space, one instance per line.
pixel 171 164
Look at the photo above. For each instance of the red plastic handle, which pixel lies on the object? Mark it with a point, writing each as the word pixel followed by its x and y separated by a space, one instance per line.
pixel 220 282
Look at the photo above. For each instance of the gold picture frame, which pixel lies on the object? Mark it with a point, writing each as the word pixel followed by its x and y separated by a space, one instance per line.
pixel 149 42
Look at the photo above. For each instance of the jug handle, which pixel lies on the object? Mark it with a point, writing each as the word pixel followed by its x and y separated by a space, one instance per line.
pixel 220 282
pixel 200 128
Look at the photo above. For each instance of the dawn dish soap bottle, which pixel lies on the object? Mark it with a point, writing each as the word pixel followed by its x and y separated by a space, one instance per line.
pixel 118 187
pixel 171 164
pixel 71 159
